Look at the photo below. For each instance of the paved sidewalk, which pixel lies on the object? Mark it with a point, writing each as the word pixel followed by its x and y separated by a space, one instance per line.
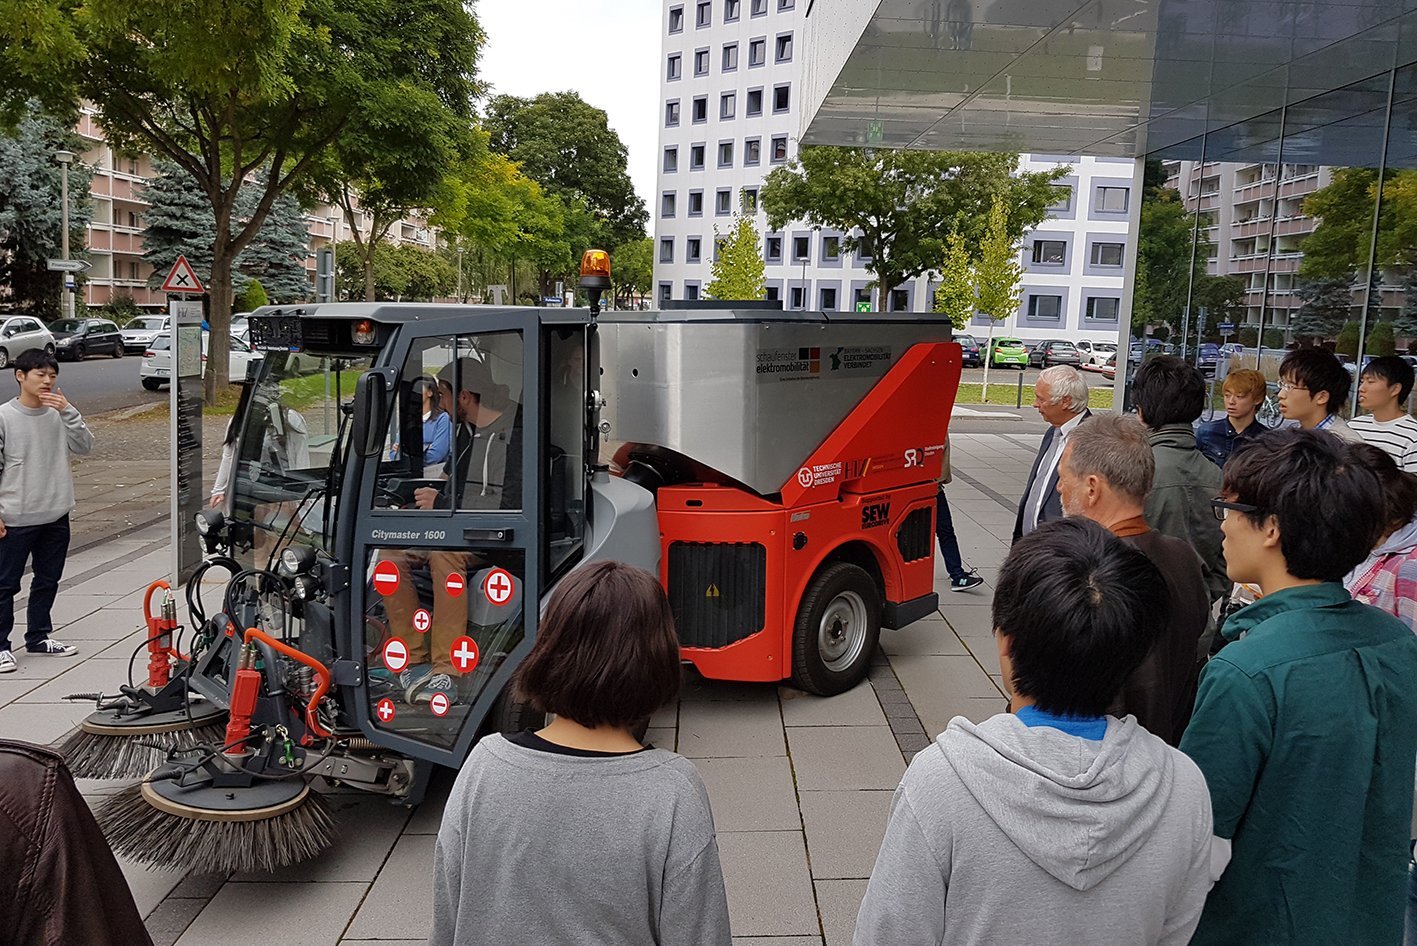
pixel 801 786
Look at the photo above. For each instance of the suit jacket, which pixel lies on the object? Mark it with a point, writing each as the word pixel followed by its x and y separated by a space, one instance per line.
pixel 1052 502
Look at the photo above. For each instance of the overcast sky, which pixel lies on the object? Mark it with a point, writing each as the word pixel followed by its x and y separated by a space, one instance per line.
pixel 606 50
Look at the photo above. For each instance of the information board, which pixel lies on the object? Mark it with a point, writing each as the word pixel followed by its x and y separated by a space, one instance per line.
pixel 186 429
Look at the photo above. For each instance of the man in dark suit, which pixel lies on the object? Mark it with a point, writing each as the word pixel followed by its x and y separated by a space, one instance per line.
pixel 1060 395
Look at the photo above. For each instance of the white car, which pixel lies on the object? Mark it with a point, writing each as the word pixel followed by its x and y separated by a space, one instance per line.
pixel 20 333
pixel 157 359
pixel 1096 353
pixel 139 332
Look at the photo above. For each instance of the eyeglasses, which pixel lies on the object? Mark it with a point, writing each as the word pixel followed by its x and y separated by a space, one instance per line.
pixel 1218 506
pixel 1291 386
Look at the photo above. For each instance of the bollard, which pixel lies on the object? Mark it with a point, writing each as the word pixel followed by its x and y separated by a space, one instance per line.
pixel 1018 401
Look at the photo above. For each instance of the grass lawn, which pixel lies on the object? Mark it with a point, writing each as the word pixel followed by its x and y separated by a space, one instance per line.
pixel 1006 395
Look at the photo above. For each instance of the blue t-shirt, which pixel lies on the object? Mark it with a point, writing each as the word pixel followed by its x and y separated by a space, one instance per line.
pixel 1084 727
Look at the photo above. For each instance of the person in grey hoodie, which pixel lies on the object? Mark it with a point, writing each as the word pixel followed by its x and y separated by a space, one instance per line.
pixel 577 835
pixel 39 430
pixel 1052 824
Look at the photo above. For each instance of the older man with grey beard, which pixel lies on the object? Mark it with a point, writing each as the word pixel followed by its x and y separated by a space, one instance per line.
pixel 1105 475
pixel 1060 397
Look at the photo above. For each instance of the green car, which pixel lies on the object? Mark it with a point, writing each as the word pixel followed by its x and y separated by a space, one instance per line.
pixel 1008 351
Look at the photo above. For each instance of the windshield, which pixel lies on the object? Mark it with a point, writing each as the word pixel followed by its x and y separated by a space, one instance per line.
pixel 283 454
pixel 1010 343
pixel 66 325
pixel 145 325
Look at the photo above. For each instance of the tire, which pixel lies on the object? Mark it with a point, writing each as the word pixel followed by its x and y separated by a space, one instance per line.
pixel 118 350
pixel 49 350
pixel 152 384
pixel 79 353
pixel 837 629
pixel 4 358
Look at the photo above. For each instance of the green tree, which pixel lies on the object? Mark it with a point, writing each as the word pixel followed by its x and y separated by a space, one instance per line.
pixel 997 277
pixel 1338 247
pixel 252 297
pixel 1173 253
pixel 956 298
pixel 1381 340
pixel 568 147
pixel 1223 297
pixel 738 269
pixel 1347 343
pixel 31 215
pixel 632 271
pixel 903 205
pixel 277 254
pixel 1325 304
pixel 228 91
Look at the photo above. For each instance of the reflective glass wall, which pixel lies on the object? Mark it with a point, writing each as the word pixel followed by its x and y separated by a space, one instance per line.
pixel 1295 227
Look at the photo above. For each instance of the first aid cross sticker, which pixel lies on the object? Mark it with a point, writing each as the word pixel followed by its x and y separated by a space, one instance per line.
pixel 464 654
pixel 385 710
pixel 498 586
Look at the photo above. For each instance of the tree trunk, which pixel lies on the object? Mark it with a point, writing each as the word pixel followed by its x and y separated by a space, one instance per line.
pixel 369 271
pixel 219 319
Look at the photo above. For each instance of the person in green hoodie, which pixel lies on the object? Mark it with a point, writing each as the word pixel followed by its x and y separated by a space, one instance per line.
pixel 1306 723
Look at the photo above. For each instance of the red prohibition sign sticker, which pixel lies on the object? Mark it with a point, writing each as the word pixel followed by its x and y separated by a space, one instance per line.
pixel 422 620
pixel 465 654
pixel 498 586
pixel 386 578
pixel 395 654
pixel 439 704
pixel 455 585
pixel 384 709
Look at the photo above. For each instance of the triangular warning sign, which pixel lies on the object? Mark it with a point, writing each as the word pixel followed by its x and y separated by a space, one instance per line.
pixel 182 278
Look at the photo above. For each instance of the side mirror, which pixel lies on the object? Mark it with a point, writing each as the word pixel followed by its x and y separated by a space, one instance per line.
pixel 371 411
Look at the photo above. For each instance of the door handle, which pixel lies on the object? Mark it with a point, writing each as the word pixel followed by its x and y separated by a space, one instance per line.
pixel 488 535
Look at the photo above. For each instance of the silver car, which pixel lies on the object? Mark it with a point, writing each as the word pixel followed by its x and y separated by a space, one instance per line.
pixel 20 333
pixel 140 331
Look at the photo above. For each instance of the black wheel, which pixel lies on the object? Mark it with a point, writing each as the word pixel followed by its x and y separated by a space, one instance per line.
pixel 838 627
pixel 4 358
pixel 118 351
pixel 79 352
pixel 152 384
pixel 49 350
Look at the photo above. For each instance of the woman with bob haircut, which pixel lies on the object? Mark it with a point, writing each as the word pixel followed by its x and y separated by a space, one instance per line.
pixel 577 833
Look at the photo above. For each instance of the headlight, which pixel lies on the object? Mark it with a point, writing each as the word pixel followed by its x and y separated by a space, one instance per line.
pixel 209 521
pixel 64 342
pixel 296 560
pixel 306 587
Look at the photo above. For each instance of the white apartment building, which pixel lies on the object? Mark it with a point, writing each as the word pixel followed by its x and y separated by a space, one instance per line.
pixel 730 80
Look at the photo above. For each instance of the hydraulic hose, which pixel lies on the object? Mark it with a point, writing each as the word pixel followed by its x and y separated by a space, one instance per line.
pixel 322 676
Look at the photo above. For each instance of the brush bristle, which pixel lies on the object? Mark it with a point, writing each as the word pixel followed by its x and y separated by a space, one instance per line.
pixel 164 841
pixel 118 757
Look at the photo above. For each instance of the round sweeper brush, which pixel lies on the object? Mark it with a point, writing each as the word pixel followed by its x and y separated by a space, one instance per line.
pixel 256 828
pixel 117 743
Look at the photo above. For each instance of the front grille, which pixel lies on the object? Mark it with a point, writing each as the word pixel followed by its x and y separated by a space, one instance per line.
pixel 913 536
pixel 718 591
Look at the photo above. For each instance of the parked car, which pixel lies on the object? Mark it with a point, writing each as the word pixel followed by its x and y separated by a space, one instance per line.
pixel 140 331
pixel 1008 351
pixel 1094 353
pixel 20 333
pixel 76 339
pixel 1208 357
pixel 1054 351
pixel 973 354
pixel 157 360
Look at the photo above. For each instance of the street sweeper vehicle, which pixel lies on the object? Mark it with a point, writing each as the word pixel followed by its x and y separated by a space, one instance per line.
pixel 411 482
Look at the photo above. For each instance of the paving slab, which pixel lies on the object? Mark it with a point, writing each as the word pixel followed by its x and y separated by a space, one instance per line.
pixel 952 676
pixel 856 707
pixel 848 757
pixel 730 728
pixel 844 831
pixel 41 723
pixel 288 914
pixel 400 904
pixel 752 794
pixel 927 636
pixel 777 941
pixel 839 902
pixel 95 675
pixel 769 887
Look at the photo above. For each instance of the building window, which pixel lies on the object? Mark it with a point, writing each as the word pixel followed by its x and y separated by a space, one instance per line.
pixel 786 4
pixel 666 291
pixel 691 291
pixel 671 160
pixel 783 50
pixel 773 249
pixel 752 151
pixel 796 302
pixel 828 300
pixel 666 250
pixel 774 294
pixel 701 62
pixel 725 154
pixel 1050 252
pixel 779 149
pixel 718 244
pixel 864 250
pixel 671 114
pixel 750 200
pixel 781 97
pixel 900 300
pixel 831 248
pixel 704 15
pixel 700 109
pixel 676 19
pixel 727 105
pixel 696 157
pixel 666 204
pixel 723 202
pixel 1103 308
pixel 760 7
pixel 1106 254
pixel 696 203
pixel 755 102
pixel 1046 308
pixel 673 71
pixel 757 51
pixel 692 250
pixel 730 57
pixel 801 248
pixel 1064 203
pixel 1112 199
pixel 730 10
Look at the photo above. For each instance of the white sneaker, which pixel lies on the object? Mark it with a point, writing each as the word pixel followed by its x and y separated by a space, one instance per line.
pixel 7 662
pixel 52 648
pixel 423 689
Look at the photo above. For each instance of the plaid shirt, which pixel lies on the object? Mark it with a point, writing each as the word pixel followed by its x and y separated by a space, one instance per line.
pixel 1388 581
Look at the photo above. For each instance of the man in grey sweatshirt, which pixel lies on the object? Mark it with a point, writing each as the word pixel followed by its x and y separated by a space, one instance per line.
pixel 1052 824
pixel 38 432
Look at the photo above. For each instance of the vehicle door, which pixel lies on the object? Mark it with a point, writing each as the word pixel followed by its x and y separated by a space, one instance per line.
pixel 445 552
pixel 28 334
pixel 111 341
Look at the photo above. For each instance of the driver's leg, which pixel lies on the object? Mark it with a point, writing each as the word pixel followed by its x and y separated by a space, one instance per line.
pixel 449 613
pixel 400 605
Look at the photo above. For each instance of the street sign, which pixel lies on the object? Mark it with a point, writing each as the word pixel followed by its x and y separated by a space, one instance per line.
pixel 182 278
pixel 69 265
pixel 875 132
pixel 1225 327
pixel 552 300
pixel 863 307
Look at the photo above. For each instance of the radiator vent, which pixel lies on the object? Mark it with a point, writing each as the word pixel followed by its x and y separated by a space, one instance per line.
pixel 913 538
pixel 718 591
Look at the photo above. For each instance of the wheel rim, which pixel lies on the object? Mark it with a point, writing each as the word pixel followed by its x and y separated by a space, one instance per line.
pixel 841 635
pixel 4 358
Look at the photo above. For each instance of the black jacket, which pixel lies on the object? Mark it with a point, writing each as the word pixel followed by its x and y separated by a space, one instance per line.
pixel 61 885
pixel 1052 502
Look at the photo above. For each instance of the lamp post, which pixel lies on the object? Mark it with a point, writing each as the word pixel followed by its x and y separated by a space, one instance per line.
pixel 65 158
pixel 334 261
pixel 460 296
